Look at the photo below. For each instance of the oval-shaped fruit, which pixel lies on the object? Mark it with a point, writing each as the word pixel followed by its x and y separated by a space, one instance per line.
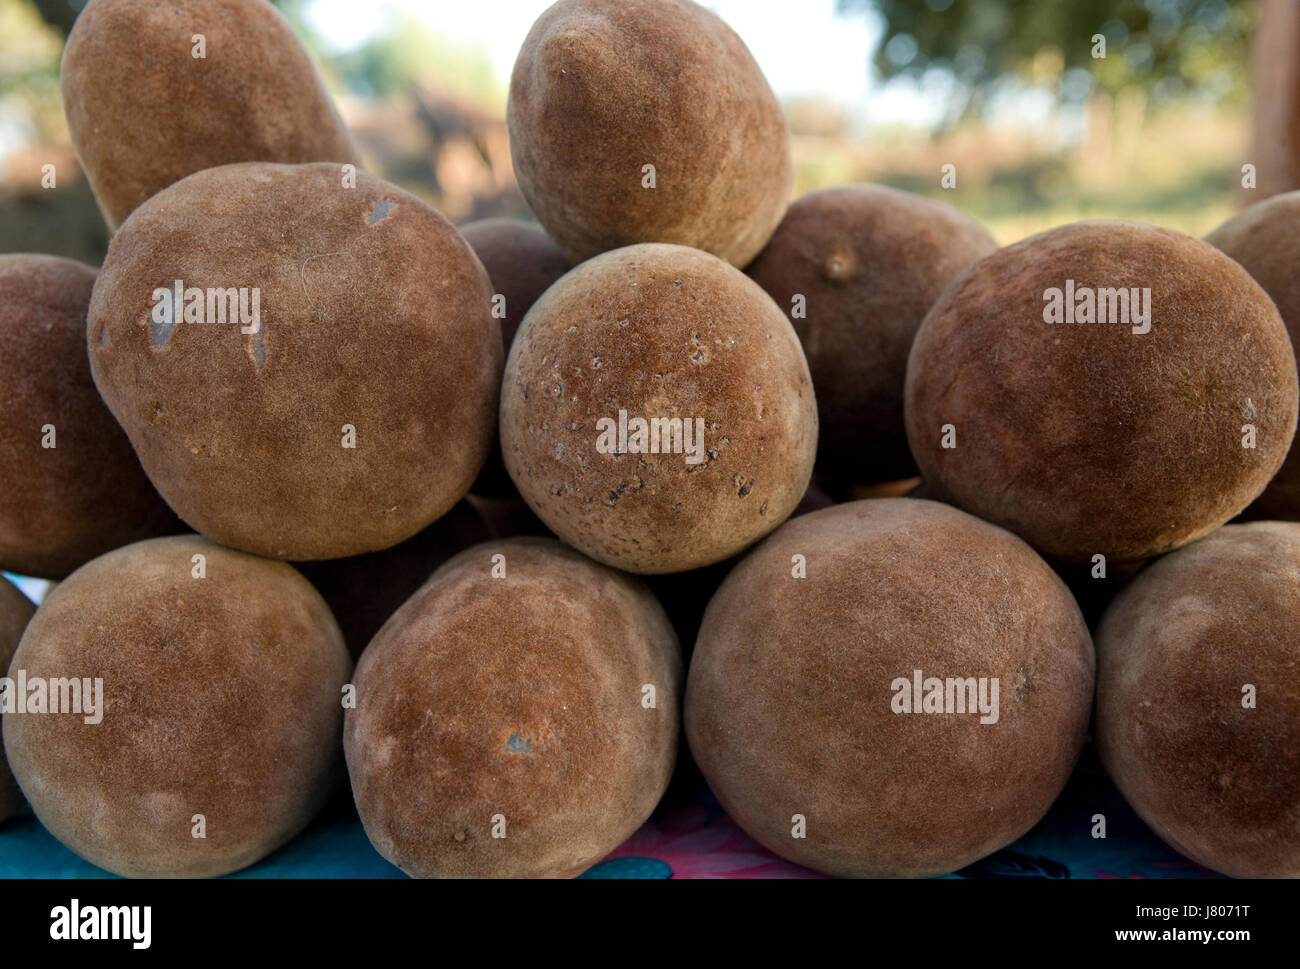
pixel 1103 388
pixel 522 261
pixel 307 368
pixel 856 268
pixel 1198 699
pixel 517 717
pixel 646 121
pixel 198 691
pixel 657 411
pixel 889 688
pixel 72 487
pixel 1265 239
pixel 156 91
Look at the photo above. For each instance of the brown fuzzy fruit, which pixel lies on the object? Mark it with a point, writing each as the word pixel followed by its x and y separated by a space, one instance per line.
pixel 658 333
pixel 685 595
pixel 1122 438
pixel 514 705
pixel 1212 766
pixel 856 269
pixel 15 612
pixel 144 111
pixel 646 121
pixel 522 261
pixel 1265 239
pixel 362 591
pixel 73 489
pixel 793 705
pixel 220 696
pixel 356 412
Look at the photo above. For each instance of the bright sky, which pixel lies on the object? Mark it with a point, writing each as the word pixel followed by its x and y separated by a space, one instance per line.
pixel 801 45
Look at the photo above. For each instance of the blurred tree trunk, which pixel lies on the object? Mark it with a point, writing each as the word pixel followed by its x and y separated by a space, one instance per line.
pixel 1275 70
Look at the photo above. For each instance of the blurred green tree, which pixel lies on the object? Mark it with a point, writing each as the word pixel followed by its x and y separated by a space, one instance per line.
pixel 409 54
pixel 1165 49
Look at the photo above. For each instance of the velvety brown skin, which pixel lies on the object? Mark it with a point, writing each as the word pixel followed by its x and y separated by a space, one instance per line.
pixel 788 702
pixel 869 261
pixel 373 317
pixel 1265 239
pixel 1086 438
pixel 15 612
pixel 60 506
pixel 1218 782
pixel 362 591
pixel 143 112
pixel 519 696
pixel 221 697
pixel 602 88
pixel 685 595
pixel 661 332
pixel 521 261
pixel 1092 590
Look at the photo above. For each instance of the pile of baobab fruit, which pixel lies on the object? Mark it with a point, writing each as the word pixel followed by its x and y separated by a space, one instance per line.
pixel 245 444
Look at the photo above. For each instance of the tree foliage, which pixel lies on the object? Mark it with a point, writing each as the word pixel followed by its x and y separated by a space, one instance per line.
pixel 1167 48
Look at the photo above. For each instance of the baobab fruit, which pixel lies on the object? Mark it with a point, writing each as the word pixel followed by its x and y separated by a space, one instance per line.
pixel 73 488
pixel 156 91
pixel 856 268
pixel 1102 388
pixel 15 612
pixel 685 595
pixel 646 121
pixel 521 261
pixel 657 413
pixel 889 688
pixel 517 717
pixel 1198 706
pixel 304 359
pixel 363 591
pixel 200 729
pixel 1264 239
